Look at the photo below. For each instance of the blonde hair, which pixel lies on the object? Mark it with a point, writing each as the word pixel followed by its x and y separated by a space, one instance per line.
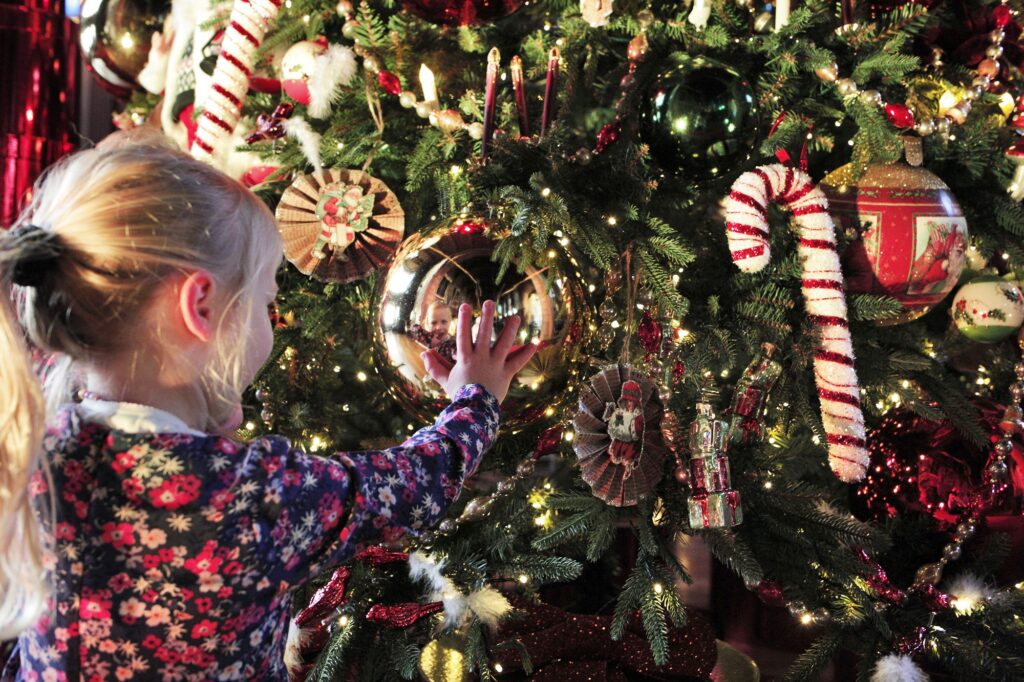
pixel 120 218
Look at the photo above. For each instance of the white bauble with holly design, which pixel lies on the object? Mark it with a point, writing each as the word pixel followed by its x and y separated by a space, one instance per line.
pixel 988 309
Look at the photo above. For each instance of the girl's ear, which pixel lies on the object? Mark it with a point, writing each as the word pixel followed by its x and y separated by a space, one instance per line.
pixel 195 304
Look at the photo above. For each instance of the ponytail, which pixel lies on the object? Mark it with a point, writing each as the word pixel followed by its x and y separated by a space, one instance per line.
pixel 24 586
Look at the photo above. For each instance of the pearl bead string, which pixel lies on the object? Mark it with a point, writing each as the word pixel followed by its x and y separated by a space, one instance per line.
pixel 902 116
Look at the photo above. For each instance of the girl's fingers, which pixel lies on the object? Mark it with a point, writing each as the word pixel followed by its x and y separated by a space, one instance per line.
pixel 437 367
pixel 464 331
pixel 483 333
pixel 507 338
pixel 518 358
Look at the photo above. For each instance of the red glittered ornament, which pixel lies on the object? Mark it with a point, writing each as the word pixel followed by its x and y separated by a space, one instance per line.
pixel 389 82
pixel 548 441
pixel 678 370
pixel 935 600
pixel 649 332
pixel 770 592
pixel 912 642
pixel 1001 15
pixel 402 615
pixel 375 555
pixel 607 136
pixel 900 116
pixel 462 12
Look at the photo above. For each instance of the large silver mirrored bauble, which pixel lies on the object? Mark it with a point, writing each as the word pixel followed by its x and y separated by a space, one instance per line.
pixel 451 263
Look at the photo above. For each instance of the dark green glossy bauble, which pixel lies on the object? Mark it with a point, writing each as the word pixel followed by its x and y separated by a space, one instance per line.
pixel 700 117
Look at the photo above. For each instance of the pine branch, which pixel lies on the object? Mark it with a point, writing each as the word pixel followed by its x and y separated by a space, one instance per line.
pixel 816 657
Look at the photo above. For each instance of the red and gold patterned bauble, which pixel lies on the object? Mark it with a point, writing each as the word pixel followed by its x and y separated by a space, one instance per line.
pixel 462 12
pixel 910 234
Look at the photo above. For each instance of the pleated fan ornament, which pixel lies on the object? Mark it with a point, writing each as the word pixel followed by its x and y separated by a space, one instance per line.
pixel 619 441
pixel 339 225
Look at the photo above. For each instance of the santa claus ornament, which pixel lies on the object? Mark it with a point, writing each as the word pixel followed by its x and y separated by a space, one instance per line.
pixel 618 435
pixel 339 225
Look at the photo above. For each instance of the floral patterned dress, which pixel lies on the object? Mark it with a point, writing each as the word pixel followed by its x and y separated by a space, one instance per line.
pixel 175 553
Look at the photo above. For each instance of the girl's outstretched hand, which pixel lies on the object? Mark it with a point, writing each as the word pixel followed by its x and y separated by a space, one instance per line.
pixel 480 363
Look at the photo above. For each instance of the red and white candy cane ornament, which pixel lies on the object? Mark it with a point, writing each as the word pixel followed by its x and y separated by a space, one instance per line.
pixel 222 105
pixel 746 215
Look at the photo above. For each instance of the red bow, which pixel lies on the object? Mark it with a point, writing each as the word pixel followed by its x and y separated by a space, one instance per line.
pixel 781 154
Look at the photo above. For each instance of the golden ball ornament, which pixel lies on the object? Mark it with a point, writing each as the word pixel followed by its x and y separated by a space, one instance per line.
pixel 115 37
pixel 452 262
pixel 442 660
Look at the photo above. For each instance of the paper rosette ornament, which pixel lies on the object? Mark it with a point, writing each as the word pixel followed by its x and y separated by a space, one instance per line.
pixel 339 225
pixel 618 435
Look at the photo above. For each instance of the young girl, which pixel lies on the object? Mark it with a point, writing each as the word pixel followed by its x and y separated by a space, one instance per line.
pixel 166 549
pixel 434 332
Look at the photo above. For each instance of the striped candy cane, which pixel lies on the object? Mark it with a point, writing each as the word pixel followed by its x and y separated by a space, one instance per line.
pixel 222 106
pixel 746 215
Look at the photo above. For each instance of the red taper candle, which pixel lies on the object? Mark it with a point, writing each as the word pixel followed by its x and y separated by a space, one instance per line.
pixel 490 99
pixel 516 67
pixel 549 91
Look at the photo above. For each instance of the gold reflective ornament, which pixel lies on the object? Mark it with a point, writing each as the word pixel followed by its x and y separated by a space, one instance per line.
pixel 115 37
pixel 734 666
pixel 450 263
pixel 442 660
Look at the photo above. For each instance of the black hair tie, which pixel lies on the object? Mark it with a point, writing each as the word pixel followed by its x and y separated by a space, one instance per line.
pixel 37 253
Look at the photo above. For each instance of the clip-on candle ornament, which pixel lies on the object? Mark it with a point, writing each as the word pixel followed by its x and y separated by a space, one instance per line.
pixel 516 67
pixel 490 99
pixel 700 14
pixel 847 10
pixel 429 87
pixel 549 90
pixel 781 14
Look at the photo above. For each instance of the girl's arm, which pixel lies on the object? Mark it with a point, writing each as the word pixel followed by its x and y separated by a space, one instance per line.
pixel 318 510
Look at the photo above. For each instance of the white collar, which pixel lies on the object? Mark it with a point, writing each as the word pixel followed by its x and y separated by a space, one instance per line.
pixel 132 417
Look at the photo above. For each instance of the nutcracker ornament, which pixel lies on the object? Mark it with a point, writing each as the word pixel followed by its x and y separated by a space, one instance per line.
pixel 713 503
pixel 750 403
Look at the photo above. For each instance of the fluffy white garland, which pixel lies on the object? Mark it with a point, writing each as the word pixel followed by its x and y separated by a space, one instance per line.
pixel 896 668
pixel 487 604
pixel 746 215
pixel 334 68
pixel 970 593
pixel 309 140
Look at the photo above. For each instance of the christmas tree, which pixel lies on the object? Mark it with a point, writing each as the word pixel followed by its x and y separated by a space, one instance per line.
pixel 665 193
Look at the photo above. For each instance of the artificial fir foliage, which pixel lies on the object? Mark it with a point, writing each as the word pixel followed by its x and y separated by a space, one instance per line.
pixel 648 238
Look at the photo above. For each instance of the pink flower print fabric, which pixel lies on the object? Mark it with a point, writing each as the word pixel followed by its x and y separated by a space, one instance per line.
pixel 175 555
